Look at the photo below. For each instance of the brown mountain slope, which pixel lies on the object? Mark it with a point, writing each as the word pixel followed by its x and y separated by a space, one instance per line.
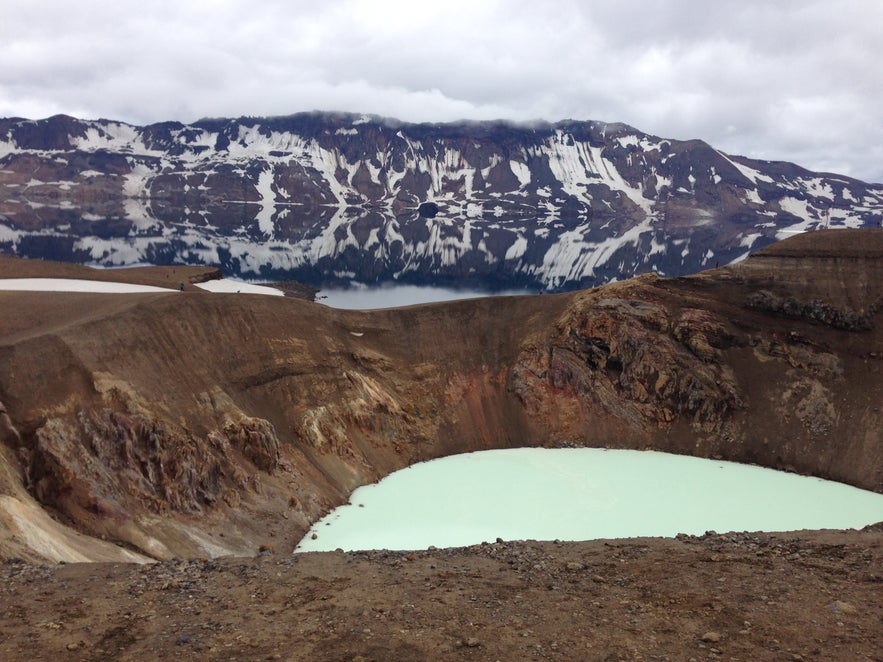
pixel 197 424
pixel 171 277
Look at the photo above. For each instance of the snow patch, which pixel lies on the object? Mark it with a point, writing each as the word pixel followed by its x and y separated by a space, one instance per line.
pixel 750 173
pixel 521 171
pixel 819 188
pixel 74 285
pixel 135 184
pixel 751 195
pixel 268 203
pixel 748 240
pixel 517 249
pixel 232 286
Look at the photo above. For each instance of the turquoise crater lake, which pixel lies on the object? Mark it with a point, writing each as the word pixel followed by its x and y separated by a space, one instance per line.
pixel 581 494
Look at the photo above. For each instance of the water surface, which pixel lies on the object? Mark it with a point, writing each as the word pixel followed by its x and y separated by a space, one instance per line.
pixel 395 296
pixel 582 494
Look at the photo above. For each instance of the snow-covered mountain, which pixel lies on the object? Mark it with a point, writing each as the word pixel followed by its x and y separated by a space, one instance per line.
pixel 333 198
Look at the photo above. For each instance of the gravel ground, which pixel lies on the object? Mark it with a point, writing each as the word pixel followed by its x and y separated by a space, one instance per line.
pixel 738 596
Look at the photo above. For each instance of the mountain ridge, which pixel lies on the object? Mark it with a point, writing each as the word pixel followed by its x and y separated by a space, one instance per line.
pixel 339 198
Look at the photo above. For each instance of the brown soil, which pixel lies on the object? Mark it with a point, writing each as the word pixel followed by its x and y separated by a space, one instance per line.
pixel 171 277
pixel 812 596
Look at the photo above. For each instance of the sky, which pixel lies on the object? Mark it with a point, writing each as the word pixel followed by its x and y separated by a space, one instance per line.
pixel 792 80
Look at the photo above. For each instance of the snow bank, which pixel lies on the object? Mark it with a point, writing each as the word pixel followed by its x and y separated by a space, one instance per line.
pixel 74 285
pixel 229 285
pixel 223 285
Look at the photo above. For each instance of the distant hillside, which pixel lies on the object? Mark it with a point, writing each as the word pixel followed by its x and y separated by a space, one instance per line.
pixel 331 198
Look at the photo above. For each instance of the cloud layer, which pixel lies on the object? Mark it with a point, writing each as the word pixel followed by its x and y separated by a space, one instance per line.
pixel 787 80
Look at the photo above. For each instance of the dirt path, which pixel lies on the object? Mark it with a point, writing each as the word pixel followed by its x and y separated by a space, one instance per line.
pixel 818 596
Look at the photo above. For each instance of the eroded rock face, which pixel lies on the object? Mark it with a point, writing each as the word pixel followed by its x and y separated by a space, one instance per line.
pixel 634 361
pixel 818 311
pixel 105 469
pixel 8 434
pixel 194 424
pixel 125 462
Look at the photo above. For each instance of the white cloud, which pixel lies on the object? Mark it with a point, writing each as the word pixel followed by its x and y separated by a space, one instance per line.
pixel 791 80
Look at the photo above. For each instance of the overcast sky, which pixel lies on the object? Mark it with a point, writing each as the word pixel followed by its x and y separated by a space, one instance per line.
pixel 776 79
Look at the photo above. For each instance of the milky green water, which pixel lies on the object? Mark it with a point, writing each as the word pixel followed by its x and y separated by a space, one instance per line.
pixel 582 494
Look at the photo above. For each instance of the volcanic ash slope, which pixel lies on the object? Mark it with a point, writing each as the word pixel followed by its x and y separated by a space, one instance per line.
pixel 190 424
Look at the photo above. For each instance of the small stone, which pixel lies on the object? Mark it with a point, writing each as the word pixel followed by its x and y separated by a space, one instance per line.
pixel 73 646
pixel 598 579
pixel 840 607
pixel 573 565
pixel 711 637
pixel 472 642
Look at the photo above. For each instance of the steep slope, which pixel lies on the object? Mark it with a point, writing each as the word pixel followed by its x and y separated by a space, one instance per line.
pixel 197 424
pixel 327 198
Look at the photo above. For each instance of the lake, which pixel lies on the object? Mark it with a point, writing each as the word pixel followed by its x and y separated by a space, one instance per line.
pixel 581 494
pixel 395 296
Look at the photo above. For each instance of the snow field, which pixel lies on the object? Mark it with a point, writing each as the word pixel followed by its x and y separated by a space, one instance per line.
pixel 74 285
pixel 224 285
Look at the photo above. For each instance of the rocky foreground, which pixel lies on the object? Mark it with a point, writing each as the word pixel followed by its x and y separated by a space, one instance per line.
pixel 806 596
